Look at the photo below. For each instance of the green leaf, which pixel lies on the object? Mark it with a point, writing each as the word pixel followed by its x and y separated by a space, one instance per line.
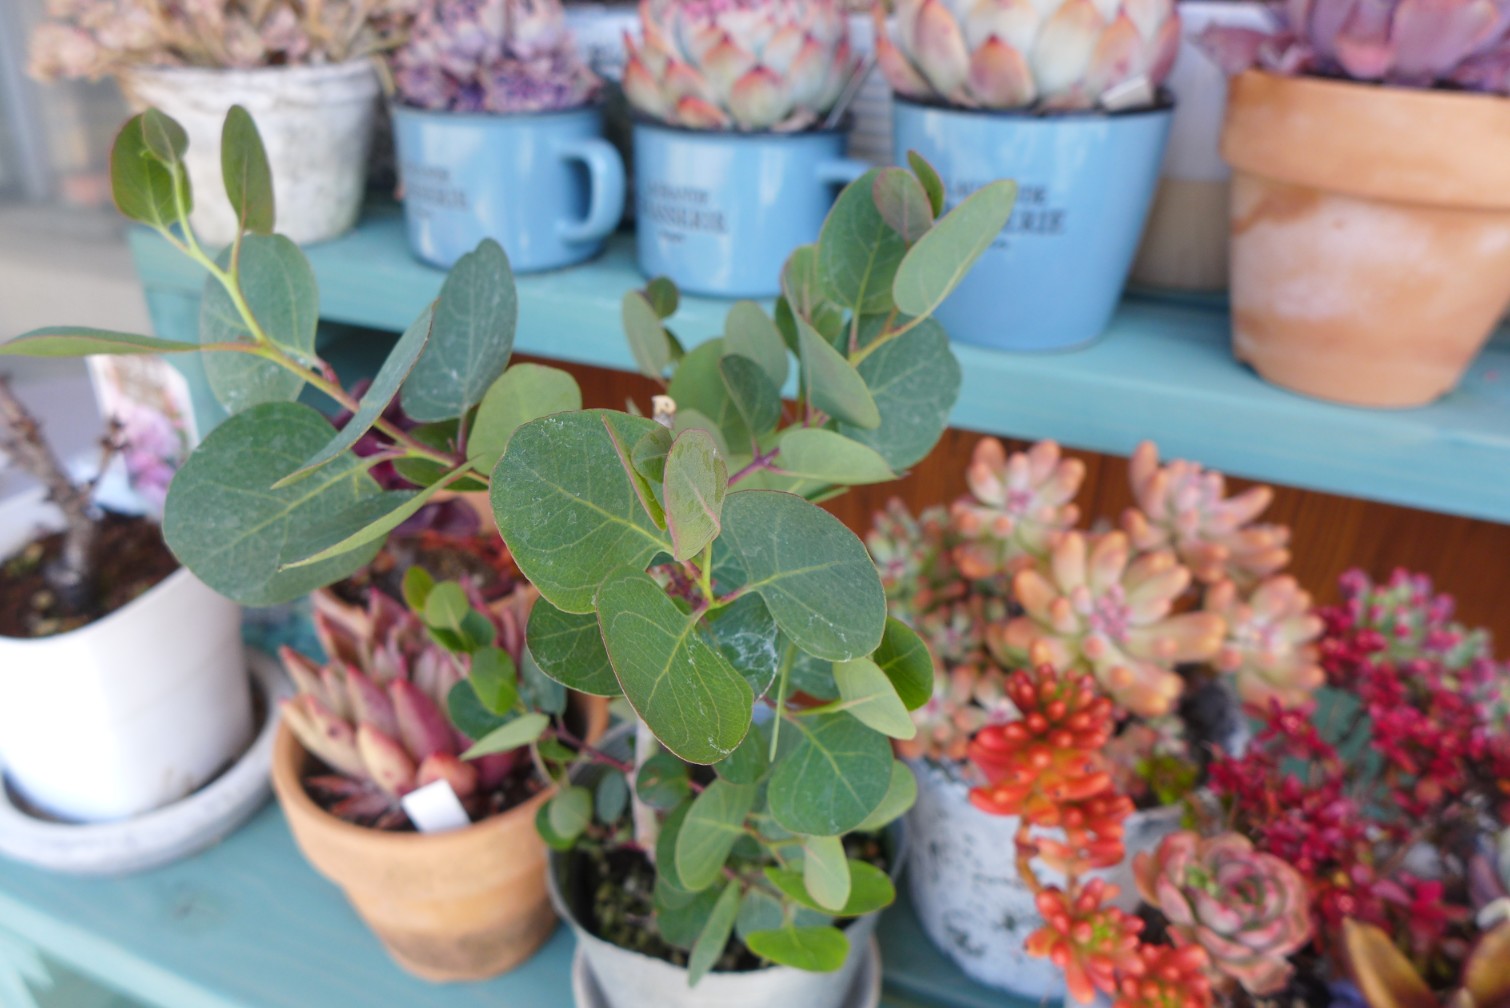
pixel 279 288
pixel 468 714
pixel 814 575
pixel 815 453
pixel 76 341
pixel 537 690
pixel 696 482
pixel 748 763
pixel 715 934
pixel 680 916
pixel 385 386
pixel 914 380
pixel 570 811
pixel 932 184
pixel 416 587
pixel 858 251
pixel 870 889
pixel 543 827
pixel 941 258
pixel 814 676
pixel 871 698
pixel 833 778
pixel 832 384
pixel 473 336
pixel 750 332
pixel 379 523
pixel 647 337
pixel 825 871
pixel 649 500
pixel 901 793
pixel 744 632
pixel 698 386
pixel 801 281
pixel 753 395
pixel 687 693
pixel 758 911
pixel 244 167
pixel 569 648
pixel 904 204
pixel 520 731
pixel 565 506
pixel 663 296
pixel 663 781
pixel 648 456
pixel 224 521
pixel 166 140
pixel 610 797
pixel 495 679
pixel 815 949
pixel 907 662
pixel 447 605
pixel 141 184
pixel 715 820
pixel 523 393
pixel 665 855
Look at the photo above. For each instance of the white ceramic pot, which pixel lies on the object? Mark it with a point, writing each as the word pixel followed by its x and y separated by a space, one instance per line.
pixel 969 899
pixel 316 123
pixel 129 713
pixel 1185 241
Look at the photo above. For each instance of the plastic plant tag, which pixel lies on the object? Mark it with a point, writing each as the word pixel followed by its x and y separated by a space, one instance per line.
pixel 435 808
pixel 1137 92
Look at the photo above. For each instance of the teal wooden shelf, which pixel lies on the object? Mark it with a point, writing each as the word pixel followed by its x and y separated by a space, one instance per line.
pixel 1163 371
pixel 248 924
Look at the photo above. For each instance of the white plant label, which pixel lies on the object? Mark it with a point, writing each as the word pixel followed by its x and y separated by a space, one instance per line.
pixel 435 808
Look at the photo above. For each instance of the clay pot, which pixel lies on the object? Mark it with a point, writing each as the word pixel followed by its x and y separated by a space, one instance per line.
pixel 466 904
pixel 1370 234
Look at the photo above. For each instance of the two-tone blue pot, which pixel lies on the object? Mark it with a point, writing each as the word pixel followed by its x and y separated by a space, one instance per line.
pixel 544 185
pixel 1085 181
pixel 720 212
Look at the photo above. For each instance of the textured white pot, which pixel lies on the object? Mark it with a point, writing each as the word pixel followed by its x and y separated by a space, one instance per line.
pixel 129 713
pixel 962 872
pixel 1185 241
pixel 316 122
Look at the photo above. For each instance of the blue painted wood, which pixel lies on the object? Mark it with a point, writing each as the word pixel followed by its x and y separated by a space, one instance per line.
pixel 1163 371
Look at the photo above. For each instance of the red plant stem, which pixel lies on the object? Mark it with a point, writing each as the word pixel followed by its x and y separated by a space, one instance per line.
pixel 761 461
pixel 1026 850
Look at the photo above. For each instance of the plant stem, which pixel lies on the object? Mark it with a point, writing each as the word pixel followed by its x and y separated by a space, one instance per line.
pixel 761 461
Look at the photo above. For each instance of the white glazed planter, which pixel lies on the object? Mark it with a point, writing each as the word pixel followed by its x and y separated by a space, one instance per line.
pixel 1185 241
pixel 129 713
pixel 962 872
pixel 316 123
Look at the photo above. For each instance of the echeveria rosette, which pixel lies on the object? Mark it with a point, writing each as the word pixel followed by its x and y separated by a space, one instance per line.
pixel 1270 649
pixel 498 56
pixel 1185 507
pixel 1018 503
pixel 1249 910
pixel 1404 43
pixel 1009 54
pixel 747 65
pixel 1095 606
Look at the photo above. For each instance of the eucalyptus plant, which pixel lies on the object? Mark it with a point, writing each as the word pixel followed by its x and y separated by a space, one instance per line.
pixel 682 559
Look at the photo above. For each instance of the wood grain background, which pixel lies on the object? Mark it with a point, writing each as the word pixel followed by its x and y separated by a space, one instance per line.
pixel 1467 558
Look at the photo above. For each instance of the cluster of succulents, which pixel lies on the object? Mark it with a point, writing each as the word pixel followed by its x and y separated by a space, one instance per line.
pixel 745 65
pixel 1013 54
pixel 95 38
pixel 499 56
pixel 1454 43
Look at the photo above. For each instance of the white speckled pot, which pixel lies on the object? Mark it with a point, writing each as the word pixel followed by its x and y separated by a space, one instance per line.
pixel 316 122
pixel 969 899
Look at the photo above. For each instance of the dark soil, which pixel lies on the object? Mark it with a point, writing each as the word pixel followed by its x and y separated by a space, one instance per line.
pixel 482 558
pixel 365 805
pixel 131 558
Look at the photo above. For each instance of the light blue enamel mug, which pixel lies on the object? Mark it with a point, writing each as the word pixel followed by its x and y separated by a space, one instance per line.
pixel 720 212
pixel 1085 181
pixel 544 185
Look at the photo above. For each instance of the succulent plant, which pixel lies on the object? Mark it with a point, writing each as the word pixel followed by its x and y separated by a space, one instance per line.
pixel 499 56
pixel 967 698
pixel 1407 43
pixel 1270 647
pixel 739 64
pixel 1185 507
pixel 1248 910
pixel 1008 54
pixel 1091 606
pixel 1387 979
pixel 375 712
pixel 1018 503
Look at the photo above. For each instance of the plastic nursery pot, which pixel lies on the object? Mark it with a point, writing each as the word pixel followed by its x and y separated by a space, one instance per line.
pixel 1370 234
pixel 544 185
pixel 719 212
pixel 967 894
pixel 465 904
pixel 129 713
pixel 1084 184
pixel 316 123
pixel 1184 244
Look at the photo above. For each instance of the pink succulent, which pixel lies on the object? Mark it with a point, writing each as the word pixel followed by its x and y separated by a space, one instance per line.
pixel 1248 910
pixel 965 699
pixel 1094 606
pixel 1018 504
pixel 1270 649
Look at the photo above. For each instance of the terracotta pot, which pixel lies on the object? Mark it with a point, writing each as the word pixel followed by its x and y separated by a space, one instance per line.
pixel 462 905
pixel 1370 234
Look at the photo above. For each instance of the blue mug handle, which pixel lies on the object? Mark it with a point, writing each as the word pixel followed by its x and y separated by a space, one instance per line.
pixel 605 205
pixel 842 171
